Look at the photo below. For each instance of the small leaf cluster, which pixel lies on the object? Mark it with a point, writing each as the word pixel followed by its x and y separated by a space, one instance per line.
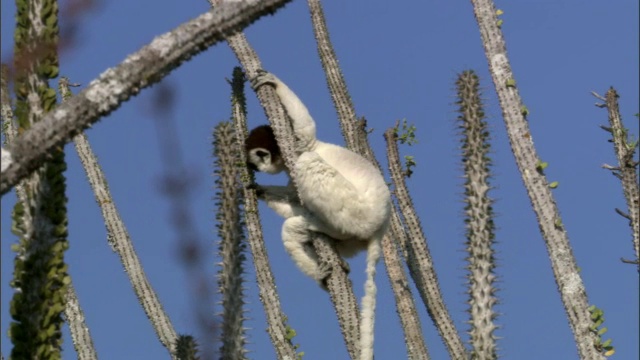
pixel 408 135
pixel 409 162
pixel 500 21
pixel 597 319
pixel 290 334
pixel 540 167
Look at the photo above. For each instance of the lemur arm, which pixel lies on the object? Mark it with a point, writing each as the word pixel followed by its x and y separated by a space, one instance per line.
pixel 282 199
pixel 304 127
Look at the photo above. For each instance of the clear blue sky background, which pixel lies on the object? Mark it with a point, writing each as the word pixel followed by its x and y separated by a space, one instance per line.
pixel 400 60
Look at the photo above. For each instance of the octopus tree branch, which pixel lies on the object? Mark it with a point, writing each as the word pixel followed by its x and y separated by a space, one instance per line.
pixel 356 139
pixel 627 167
pixel 563 263
pixel 335 80
pixel 120 241
pixel 395 239
pixel 80 334
pixel 419 257
pixel 276 318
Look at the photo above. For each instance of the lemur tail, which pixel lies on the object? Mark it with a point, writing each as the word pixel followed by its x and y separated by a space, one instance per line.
pixel 369 300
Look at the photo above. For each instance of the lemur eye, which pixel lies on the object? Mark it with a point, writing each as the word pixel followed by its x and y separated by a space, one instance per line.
pixel 262 153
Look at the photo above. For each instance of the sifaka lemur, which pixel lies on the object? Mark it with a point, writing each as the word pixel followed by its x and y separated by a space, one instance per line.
pixel 339 193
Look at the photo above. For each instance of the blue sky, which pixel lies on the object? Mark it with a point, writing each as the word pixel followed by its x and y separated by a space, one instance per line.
pixel 400 60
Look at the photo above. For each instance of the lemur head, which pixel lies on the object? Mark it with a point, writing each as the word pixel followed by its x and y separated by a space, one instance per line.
pixel 263 153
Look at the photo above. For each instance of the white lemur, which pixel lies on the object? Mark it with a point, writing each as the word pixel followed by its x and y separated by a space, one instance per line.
pixel 341 194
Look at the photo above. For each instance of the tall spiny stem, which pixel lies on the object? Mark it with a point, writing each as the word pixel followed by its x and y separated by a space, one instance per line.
pixel 355 135
pixel 478 217
pixel 563 263
pixel 626 170
pixel 80 335
pixel 276 318
pixel 395 239
pixel 40 275
pixel 419 257
pixel 232 247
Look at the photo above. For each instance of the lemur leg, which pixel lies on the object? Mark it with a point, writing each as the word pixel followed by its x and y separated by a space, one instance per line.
pixel 296 237
pixel 316 225
pixel 284 201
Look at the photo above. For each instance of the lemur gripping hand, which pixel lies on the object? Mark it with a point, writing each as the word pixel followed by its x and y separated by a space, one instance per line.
pixel 263 77
pixel 260 190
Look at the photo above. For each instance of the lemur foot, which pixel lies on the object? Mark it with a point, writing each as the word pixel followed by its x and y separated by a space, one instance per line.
pixel 344 265
pixel 262 77
pixel 324 271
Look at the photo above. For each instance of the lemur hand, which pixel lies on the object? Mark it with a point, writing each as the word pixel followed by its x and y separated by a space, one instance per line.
pixel 258 188
pixel 263 77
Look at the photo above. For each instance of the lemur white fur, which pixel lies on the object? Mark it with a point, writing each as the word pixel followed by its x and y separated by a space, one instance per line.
pixel 343 196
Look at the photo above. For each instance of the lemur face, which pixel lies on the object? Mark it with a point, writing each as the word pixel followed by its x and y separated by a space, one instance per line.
pixel 263 153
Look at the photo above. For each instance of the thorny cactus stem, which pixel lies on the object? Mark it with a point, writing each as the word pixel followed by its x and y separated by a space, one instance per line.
pixel 80 335
pixel 40 275
pixel 478 217
pixel 419 258
pixel 355 136
pixel 276 319
pixel 395 239
pixel 120 242
pixel 563 263
pixel 186 348
pixel 335 79
pixel 626 170
pixel 8 126
pixel 231 248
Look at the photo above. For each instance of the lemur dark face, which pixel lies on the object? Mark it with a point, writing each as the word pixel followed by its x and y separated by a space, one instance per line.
pixel 263 153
